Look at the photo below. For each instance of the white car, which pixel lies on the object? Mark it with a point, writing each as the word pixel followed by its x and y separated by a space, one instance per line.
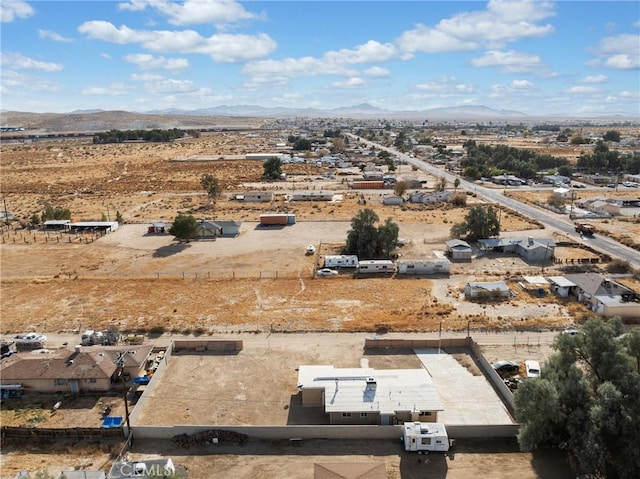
pixel 327 272
pixel 311 249
pixel 532 368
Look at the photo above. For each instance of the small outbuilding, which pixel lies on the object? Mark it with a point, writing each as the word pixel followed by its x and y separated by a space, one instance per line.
pixel 424 266
pixel 157 228
pixel 459 250
pixel 258 196
pixel 56 225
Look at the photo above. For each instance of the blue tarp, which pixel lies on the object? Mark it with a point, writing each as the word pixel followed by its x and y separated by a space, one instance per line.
pixel 112 421
pixel 141 380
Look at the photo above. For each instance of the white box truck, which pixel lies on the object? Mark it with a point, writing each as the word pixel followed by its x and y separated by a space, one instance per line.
pixel 424 437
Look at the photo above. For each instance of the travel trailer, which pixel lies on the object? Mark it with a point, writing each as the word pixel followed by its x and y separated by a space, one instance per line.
pixel 424 437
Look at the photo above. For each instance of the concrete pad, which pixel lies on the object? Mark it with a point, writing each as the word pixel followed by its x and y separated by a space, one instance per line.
pixel 467 399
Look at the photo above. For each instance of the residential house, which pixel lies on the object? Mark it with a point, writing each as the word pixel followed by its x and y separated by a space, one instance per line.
pixel 424 266
pixel 369 396
pixel 258 196
pixel 532 250
pixel 459 250
pixel 605 208
pixel 482 290
pixel 312 195
pixel 75 370
pixel 218 228
pixel 605 296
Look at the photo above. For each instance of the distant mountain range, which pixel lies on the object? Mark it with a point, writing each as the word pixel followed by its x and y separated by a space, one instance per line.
pixel 251 116
pixel 364 111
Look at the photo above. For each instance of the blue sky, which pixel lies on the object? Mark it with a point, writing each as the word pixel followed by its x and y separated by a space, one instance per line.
pixel 578 58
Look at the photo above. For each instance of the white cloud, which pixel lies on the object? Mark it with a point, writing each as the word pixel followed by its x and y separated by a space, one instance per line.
pixel 510 61
pixel 145 61
pixel 14 82
pixel 13 9
pixel 223 48
pixel 114 89
pixel 521 85
pixel 353 82
pixel 170 86
pixel 377 72
pixel 146 77
pixel 106 56
pixel 56 37
pixel 630 94
pixel 369 52
pixel 595 79
pixel 620 52
pixel 445 87
pixel 583 90
pixel 17 61
pixel 502 22
pixel 217 12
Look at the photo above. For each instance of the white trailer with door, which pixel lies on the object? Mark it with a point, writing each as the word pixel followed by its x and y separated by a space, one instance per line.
pixel 425 437
pixel 341 261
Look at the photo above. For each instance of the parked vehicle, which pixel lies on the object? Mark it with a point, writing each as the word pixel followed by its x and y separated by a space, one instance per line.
pixel 506 367
pixel 326 272
pixel 571 331
pixel 424 437
pixel 310 249
pixel 30 340
pixel 532 368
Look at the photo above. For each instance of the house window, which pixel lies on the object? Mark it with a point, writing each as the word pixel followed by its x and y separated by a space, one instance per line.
pixel 91 380
pixel 346 414
pixel 59 382
pixel 363 414
pixel 425 413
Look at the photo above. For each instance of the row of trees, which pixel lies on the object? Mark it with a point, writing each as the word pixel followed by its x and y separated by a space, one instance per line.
pixel 486 160
pixel 606 161
pixel 155 135
pixel 366 240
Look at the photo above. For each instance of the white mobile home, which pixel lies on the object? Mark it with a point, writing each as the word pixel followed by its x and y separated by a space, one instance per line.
pixel 341 261
pixel 376 266
pixel 422 436
pixel 424 266
pixel 258 196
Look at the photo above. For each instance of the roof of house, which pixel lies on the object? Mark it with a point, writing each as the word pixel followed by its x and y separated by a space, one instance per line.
pixel 458 244
pixel 93 362
pixel 368 390
pixel 561 281
pixel 527 243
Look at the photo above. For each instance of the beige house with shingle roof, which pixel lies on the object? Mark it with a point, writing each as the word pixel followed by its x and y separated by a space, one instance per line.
pixel 75 370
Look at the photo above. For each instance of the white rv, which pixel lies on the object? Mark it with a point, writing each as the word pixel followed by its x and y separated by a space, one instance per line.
pixel 424 437
pixel 341 261
pixel 376 266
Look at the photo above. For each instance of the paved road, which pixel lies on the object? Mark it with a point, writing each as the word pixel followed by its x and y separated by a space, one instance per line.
pixel 551 221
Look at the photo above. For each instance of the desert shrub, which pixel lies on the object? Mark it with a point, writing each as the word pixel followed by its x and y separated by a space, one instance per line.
pixel 619 266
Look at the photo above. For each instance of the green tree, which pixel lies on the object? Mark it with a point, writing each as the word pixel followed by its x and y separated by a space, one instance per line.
pixel 587 402
pixel 272 168
pixel 565 170
pixel 184 227
pixel 479 223
pixel 119 218
pixel 456 184
pixel 35 219
pixel 57 213
pixel 556 201
pixel 103 217
pixel 302 144
pixel 212 186
pixel 387 237
pixel 612 135
pixel 441 184
pixel 362 239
